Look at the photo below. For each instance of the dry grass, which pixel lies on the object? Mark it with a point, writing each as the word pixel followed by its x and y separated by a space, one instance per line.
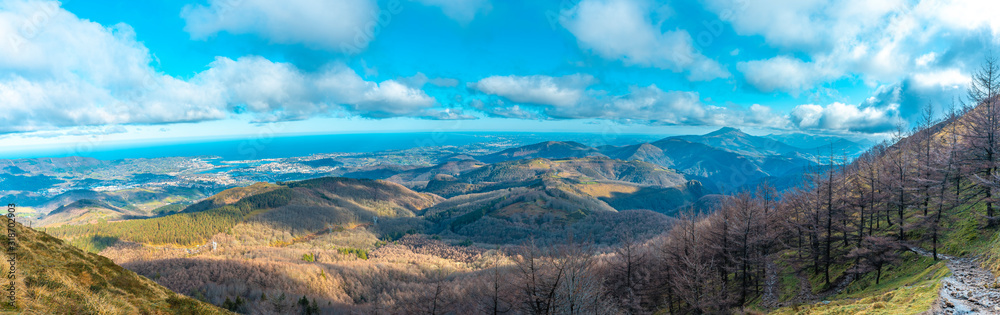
pixel 606 190
pixel 56 278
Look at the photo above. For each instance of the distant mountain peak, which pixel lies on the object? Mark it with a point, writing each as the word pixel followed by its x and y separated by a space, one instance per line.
pixel 725 130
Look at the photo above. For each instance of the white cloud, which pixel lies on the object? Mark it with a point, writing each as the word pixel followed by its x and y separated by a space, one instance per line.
pixel 846 117
pixel 60 70
pixel 346 25
pixel 962 14
pixel 537 89
pixel 73 72
pixel 623 29
pixel 533 97
pixel 499 108
pixel 926 59
pixel 462 11
pixel 809 25
pixel 947 79
pixel 764 116
pixel 878 42
pixel 783 73
pixel 653 105
pixel 280 91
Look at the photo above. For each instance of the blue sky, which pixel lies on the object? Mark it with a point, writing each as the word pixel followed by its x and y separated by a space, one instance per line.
pixel 159 70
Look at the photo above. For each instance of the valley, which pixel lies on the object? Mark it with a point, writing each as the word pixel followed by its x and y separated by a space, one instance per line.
pixel 316 226
pixel 364 237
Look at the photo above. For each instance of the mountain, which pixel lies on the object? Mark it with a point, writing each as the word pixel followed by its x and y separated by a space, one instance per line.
pixel 230 196
pixel 54 165
pixel 57 278
pixel 547 210
pixel 723 169
pixel 665 200
pixel 83 211
pixel 311 238
pixel 305 206
pixel 643 152
pixel 529 172
pixel 819 145
pixel 802 140
pixel 718 162
pixel 548 150
pixel 735 140
pixel 416 177
pixel 841 147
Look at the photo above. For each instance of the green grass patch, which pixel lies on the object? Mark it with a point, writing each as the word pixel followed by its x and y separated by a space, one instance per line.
pixel 911 270
pixel 909 288
pixel 788 283
pixel 962 232
pixel 817 280
pixel 357 252
pixel 991 255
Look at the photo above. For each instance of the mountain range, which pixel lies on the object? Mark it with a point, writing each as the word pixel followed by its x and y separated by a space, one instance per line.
pixel 290 236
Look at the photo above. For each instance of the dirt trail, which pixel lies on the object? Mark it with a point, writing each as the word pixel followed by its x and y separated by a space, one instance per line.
pixel 805 294
pixel 969 290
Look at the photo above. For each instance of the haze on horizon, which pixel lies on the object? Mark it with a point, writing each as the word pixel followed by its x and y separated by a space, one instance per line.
pixel 158 70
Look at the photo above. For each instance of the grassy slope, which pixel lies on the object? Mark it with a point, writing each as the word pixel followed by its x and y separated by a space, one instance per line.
pixel 56 278
pixel 909 288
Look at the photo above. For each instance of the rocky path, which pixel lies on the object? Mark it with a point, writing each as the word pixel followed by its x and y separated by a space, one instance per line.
pixel 969 290
pixel 770 296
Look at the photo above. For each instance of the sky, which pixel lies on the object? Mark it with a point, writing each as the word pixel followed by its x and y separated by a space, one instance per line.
pixel 167 70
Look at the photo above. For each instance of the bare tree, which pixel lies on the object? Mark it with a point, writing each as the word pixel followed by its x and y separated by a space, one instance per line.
pixel 540 279
pixel 875 253
pixel 496 300
pixel 629 258
pixel 899 166
pixel 982 130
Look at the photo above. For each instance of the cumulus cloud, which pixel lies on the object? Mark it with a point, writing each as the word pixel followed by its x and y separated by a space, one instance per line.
pixel 846 117
pixel 73 72
pixel 567 97
pixel 536 89
pixel 347 25
pixel 877 41
pixel 66 72
pixel 783 73
pixel 809 25
pixel 280 91
pixel 653 105
pixel 623 30
pixel 500 109
pixel 462 11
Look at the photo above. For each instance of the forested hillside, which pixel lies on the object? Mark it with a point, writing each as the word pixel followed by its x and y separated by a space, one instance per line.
pixel 854 233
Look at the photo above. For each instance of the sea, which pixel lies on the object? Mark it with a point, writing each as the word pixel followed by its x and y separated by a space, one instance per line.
pixel 249 148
